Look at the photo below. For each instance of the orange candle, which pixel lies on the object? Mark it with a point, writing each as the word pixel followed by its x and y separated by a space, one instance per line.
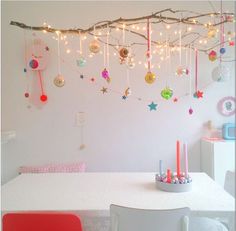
pixel 178 158
pixel 168 176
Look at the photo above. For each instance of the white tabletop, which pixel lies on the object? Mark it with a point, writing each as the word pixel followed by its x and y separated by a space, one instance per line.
pixel 94 192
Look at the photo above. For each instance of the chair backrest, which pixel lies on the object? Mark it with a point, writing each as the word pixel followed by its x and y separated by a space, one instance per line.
pixel 41 222
pixel 229 185
pixel 127 219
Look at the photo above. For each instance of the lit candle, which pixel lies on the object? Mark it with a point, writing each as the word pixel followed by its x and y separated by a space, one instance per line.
pixel 186 159
pixel 168 176
pixel 178 158
pixel 160 167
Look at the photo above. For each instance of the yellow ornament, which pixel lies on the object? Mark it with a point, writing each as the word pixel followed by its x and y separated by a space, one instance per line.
pixel 94 46
pixel 150 77
pixel 211 32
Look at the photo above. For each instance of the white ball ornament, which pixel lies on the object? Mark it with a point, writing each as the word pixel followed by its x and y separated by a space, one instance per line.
pixel 221 73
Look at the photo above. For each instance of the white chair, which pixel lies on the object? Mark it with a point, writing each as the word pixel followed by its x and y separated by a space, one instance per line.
pixel 229 185
pixel 132 219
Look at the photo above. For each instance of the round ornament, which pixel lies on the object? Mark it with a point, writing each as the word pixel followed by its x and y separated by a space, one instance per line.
pixel 33 63
pixel 222 50
pixel 81 62
pixel 211 32
pixel 221 73
pixel 26 95
pixel 59 81
pixel 43 98
pixel 231 43
pixel 94 46
pixel 212 56
pixel 167 93
pixel 190 111
pixel 124 52
pixel 150 77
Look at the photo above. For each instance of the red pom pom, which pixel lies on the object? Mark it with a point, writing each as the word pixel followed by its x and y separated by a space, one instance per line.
pixel 26 95
pixel 43 98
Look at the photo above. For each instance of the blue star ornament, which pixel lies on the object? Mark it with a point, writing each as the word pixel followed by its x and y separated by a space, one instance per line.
pixel 152 106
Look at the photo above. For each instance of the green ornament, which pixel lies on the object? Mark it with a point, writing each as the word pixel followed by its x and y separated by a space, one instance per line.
pixel 166 93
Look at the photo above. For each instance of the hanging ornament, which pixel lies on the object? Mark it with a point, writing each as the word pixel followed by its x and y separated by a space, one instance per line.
pixel 94 46
pixel 198 94
pixel 231 43
pixel 124 52
pixel 190 111
pixel 175 100
pixel 221 73
pixel 167 93
pixel 211 32
pixel 180 71
pixel 105 75
pixel 37 58
pixel 43 98
pixel 152 106
pixel 59 80
pixel 212 56
pixel 150 77
pixel 104 90
pixel 222 50
pixel 130 62
pixel 230 18
pixel 81 62
pixel 26 95
pixel 127 92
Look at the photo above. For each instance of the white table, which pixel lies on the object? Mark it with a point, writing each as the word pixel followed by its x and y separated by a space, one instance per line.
pixel 90 194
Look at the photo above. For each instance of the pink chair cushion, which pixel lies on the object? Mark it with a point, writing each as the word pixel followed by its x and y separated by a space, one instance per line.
pixel 74 167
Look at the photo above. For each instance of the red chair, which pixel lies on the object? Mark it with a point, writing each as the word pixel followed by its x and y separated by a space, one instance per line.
pixel 41 222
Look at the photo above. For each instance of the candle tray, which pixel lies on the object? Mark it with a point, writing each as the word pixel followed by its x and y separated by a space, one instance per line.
pixel 180 185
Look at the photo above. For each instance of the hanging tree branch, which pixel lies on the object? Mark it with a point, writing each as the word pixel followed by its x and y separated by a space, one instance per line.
pixel 157 17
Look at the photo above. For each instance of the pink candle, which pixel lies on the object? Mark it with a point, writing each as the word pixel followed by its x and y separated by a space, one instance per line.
pixel 186 159
pixel 178 158
pixel 168 176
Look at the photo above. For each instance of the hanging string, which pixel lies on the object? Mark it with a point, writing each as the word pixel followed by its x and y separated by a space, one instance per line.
pixel 80 45
pixel 127 74
pixel 190 71
pixel 196 69
pixel 123 35
pixel 26 65
pixel 107 46
pixel 221 29
pixel 104 55
pixel 149 45
pixel 41 82
pixel 166 58
pixel 180 45
pixel 58 53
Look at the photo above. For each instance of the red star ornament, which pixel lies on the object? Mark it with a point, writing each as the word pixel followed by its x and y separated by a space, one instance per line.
pixel 199 94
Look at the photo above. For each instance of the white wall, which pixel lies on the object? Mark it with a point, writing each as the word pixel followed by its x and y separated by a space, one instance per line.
pixel 119 135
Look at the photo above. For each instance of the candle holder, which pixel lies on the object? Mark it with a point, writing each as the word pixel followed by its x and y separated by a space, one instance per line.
pixel 177 184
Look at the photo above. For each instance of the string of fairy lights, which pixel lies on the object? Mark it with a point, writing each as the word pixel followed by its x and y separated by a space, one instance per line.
pixel 162 38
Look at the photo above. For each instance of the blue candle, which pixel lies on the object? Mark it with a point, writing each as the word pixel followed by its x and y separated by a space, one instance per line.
pixel 160 167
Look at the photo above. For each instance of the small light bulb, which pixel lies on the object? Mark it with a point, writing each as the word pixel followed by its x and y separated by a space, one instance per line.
pixel 167 26
pixel 68 51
